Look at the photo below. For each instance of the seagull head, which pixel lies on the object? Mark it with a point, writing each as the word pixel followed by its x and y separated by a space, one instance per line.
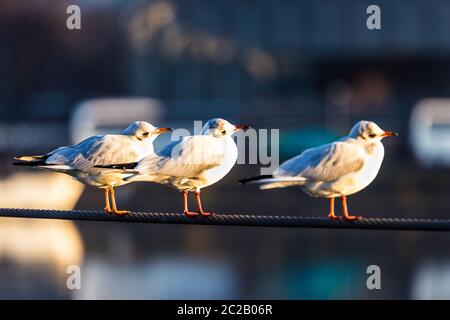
pixel 219 128
pixel 142 130
pixel 369 131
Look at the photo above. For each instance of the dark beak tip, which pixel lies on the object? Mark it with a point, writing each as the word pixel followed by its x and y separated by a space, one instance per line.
pixel 162 130
pixel 243 127
pixel 391 134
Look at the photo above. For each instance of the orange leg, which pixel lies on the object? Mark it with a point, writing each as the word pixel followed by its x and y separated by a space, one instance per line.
pixel 332 215
pixel 113 203
pixel 199 205
pixel 186 209
pixel 107 207
pixel 346 215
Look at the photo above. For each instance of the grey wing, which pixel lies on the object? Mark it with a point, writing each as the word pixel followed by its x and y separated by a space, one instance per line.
pixel 324 163
pixel 188 157
pixel 96 150
pixel 63 156
pixel 110 149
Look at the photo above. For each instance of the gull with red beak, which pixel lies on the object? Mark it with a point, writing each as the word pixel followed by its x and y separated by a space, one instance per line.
pixel 81 161
pixel 191 163
pixel 338 169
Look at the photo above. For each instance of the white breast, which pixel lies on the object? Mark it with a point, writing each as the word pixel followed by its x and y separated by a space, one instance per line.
pixel 369 171
pixel 230 156
pixel 143 149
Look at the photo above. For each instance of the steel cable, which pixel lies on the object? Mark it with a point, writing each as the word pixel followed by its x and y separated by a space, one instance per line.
pixel 236 220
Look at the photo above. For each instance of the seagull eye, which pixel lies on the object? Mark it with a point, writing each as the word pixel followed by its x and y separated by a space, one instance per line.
pixel 373 135
pixel 224 132
pixel 145 134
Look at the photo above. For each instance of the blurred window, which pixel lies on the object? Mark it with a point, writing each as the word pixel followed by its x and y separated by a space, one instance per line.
pixel 430 132
pixel 108 115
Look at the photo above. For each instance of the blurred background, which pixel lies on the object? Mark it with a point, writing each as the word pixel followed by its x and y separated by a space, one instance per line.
pixel 309 68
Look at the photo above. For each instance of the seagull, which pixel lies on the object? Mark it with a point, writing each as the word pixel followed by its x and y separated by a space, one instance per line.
pixel 191 163
pixel 79 161
pixel 338 169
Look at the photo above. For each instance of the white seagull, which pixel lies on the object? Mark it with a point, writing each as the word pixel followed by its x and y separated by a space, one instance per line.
pixel 333 170
pixel 190 164
pixel 80 161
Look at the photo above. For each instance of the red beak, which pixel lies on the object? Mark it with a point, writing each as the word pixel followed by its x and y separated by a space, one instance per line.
pixel 162 130
pixel 390 134
pixel 241 127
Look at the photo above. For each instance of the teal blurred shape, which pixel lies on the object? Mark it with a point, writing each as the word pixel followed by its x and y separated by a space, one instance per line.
pixel 294 142
pixel 324 281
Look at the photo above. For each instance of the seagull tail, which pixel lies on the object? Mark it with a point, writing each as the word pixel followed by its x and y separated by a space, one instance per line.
pixel 271 182
pixel 30 161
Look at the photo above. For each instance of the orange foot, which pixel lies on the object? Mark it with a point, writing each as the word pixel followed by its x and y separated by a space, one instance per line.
pixel 191 213
pixel 352 218
pixel 207 214
pixel 333 216
pixel 120 212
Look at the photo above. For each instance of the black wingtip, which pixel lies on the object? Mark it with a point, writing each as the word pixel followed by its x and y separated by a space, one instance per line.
pixel 122 166
pixel 247 180
pixel 28 163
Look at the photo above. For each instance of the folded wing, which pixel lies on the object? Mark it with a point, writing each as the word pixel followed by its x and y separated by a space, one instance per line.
pixel 324 163
pixel 188 157
pixel 93 151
